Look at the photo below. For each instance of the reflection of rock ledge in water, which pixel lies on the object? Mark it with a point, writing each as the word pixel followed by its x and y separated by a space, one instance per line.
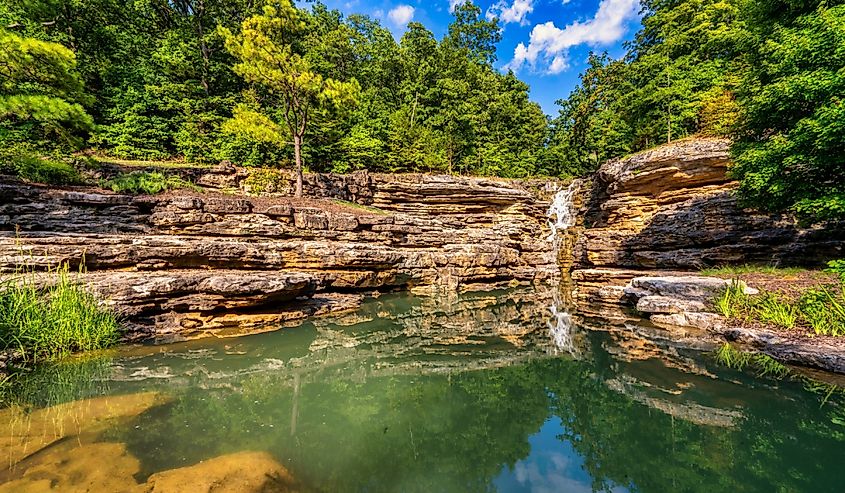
pixel 692 412
pixel 415 335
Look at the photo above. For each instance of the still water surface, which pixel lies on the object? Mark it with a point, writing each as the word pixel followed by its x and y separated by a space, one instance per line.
pixel 480 393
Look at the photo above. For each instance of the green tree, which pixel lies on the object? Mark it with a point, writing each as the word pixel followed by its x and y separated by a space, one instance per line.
pixel 284 80
pixel 39 84
pixel 471 32
pixel 790 152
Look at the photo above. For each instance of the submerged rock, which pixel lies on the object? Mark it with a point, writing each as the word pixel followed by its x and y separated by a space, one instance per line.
pixel 242 472
pixel 24 433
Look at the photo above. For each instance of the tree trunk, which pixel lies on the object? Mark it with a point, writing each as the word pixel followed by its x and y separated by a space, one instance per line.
pixel 297 154
pixel 199 15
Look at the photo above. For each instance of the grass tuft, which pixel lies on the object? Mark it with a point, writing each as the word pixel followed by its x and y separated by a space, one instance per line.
pixel 821 309
pixel 824 309
pixel 49 322
pixel 732 302
pixel 149 183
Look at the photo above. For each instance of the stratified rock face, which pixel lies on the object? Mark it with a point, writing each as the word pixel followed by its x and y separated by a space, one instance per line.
pixel 160 258
pixel 673 207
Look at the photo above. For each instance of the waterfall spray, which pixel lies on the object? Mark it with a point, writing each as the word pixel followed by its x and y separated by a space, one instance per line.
pixel 562 213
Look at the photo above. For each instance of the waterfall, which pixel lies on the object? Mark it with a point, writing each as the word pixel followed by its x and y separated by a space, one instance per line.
pixel 562 213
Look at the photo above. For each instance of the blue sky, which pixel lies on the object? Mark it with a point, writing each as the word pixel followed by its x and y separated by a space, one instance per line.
pixel 546 42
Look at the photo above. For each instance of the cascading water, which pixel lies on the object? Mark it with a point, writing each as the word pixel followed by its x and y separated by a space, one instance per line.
pixel 562 214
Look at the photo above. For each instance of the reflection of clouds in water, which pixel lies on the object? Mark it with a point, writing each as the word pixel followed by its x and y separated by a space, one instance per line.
pixel 556 478
pixel 553 480
pixel 552 466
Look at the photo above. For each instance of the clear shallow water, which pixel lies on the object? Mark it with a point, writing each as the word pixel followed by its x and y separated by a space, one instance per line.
pixel 478 393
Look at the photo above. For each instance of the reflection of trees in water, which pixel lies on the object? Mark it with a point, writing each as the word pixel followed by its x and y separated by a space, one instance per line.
pixel 413 394
pixel 442 432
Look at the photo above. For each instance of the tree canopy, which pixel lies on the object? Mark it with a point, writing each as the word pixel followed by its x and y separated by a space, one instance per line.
pixel 767 74
pixel 207 80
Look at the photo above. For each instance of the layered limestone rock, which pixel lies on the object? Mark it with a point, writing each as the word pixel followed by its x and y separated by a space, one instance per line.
pixel 201 263
pixel 649 221
pixel 673 207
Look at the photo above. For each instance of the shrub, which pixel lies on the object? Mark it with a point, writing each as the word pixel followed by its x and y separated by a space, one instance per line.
pixel 49 322
pixel 267 180
pixel 837 267
pixel 31 167
pixel 150 183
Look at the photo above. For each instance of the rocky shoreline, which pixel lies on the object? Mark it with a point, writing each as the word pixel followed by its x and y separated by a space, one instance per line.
pixel 233 260
pixel 187 264
pixel 647 224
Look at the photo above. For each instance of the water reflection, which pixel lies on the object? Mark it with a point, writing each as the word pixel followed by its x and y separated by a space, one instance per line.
pixel 483 392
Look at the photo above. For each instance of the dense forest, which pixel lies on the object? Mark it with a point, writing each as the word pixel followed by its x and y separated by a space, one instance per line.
pixel 276 85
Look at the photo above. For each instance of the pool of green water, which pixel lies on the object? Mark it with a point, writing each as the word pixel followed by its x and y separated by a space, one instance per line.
pixel 492 392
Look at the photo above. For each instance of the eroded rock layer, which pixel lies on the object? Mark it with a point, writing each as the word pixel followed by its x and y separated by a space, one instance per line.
pixel 673 207
pixel 200 263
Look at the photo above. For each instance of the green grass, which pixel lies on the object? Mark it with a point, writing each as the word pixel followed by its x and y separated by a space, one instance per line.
pixel 821 309
pixel 47 323
pixel 149 183
pixel 738 270
pixel 824 309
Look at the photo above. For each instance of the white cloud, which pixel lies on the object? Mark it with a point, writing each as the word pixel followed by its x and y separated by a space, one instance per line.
pixel 455 3
pixel 515 12
pixel 550 44
pixel 401 15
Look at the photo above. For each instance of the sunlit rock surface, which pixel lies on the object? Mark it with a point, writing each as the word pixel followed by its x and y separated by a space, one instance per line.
pixel 673 207
pixel 196 264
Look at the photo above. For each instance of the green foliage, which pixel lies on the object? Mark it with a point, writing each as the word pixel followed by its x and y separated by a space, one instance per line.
pixel 49 322
pixel 32 167
pixel 773 309
pixel 738 270
pixel 837 267
pixel 824 309
pixel 791 148
pixel 266 180
pixel 41 92
pixel 167 82
pixel 149 183
pixel 732 302
pixel 678 78
pixel 286 90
